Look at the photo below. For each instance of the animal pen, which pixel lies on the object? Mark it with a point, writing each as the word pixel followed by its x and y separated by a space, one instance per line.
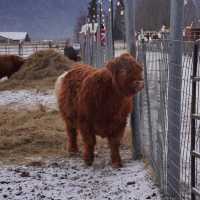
pixel 168 108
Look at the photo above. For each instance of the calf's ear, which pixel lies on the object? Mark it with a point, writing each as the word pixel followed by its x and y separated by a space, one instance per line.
pixel 138 86
pixel 112 65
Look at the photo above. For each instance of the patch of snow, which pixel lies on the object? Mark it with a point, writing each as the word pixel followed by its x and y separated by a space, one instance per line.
pixel 120 51
pixel 70 180
pixel 5 78
pixel 27 99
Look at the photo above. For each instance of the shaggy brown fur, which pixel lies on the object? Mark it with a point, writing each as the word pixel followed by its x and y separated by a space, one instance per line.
pixel 9 64
pixel 97 102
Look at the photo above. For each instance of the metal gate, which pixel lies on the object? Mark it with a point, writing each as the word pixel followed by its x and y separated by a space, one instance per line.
pixel 195 126
pixel 167 144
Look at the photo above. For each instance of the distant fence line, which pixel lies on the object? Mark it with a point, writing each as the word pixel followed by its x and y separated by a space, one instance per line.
pixel 27 48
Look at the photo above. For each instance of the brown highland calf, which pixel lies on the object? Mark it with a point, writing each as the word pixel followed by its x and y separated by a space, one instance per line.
pixel 97 102
pixel 10 64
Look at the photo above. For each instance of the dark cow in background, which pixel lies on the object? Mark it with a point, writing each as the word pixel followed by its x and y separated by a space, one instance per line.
pixel 71 52
pixel 9 64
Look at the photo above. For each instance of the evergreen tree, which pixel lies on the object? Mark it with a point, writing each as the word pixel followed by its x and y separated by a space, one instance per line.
pixel 92 11
pixel 190 16
pixel 80 21
pixel 119 21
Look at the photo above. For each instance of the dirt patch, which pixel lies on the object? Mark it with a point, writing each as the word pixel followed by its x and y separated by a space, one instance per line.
pixel 39 71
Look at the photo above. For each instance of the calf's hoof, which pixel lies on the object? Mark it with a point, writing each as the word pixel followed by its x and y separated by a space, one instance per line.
pixel 88 162
pixel 116 165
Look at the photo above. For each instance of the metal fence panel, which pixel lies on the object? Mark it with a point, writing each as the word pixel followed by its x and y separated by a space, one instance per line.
pixel 155 114
pixel 154 119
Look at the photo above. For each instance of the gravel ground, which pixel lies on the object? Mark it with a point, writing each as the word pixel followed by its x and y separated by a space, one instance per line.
pixel 69 179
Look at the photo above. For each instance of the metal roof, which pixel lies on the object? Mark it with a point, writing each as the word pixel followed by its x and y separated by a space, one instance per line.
pixel 14 35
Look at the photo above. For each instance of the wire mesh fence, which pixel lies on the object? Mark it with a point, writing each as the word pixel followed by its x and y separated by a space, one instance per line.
pixel 154 105
pixel 195 124
pixel 167 142
pixel 165 114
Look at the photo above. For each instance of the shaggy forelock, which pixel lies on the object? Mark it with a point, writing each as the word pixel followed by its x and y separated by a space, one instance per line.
pixel 125 61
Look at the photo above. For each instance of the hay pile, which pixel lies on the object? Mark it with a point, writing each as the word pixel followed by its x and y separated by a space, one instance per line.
pixel 40 70
pixel 27 134
pixel 30 133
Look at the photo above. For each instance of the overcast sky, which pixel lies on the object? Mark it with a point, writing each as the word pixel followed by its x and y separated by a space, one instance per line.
pixel 41 18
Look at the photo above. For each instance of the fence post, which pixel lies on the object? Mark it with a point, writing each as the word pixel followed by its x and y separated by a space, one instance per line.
pixel 93 45
pixel 90 48
pixel 193 123
pixel 163 71
pixel 87 60
pixel 174 99
pixel 98 35
pixel 20 49
pixel 94 50
pixel 110 33
pixel 130 38
pixel 146 90
pixel 86 47
pixel 99 48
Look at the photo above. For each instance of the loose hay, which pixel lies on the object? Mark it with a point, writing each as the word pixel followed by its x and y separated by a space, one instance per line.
pixel 26 135
pixel 39 71
pixel 30 133
pixel 43 64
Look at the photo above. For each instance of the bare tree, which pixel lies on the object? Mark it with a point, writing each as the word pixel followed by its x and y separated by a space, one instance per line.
pixel 81 20
pixel 151 15
pixel 192 14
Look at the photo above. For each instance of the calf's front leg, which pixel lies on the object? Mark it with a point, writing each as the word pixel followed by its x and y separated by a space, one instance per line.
pixel 114 143
pixel 71 139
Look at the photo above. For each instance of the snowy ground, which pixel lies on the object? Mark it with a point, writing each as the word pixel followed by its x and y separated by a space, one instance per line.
pixel 71 180
pixel 68 178
pixel 27 99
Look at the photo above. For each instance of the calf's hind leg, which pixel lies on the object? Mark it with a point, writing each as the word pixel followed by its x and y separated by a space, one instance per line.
pixel 88 151
pixel 72 134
